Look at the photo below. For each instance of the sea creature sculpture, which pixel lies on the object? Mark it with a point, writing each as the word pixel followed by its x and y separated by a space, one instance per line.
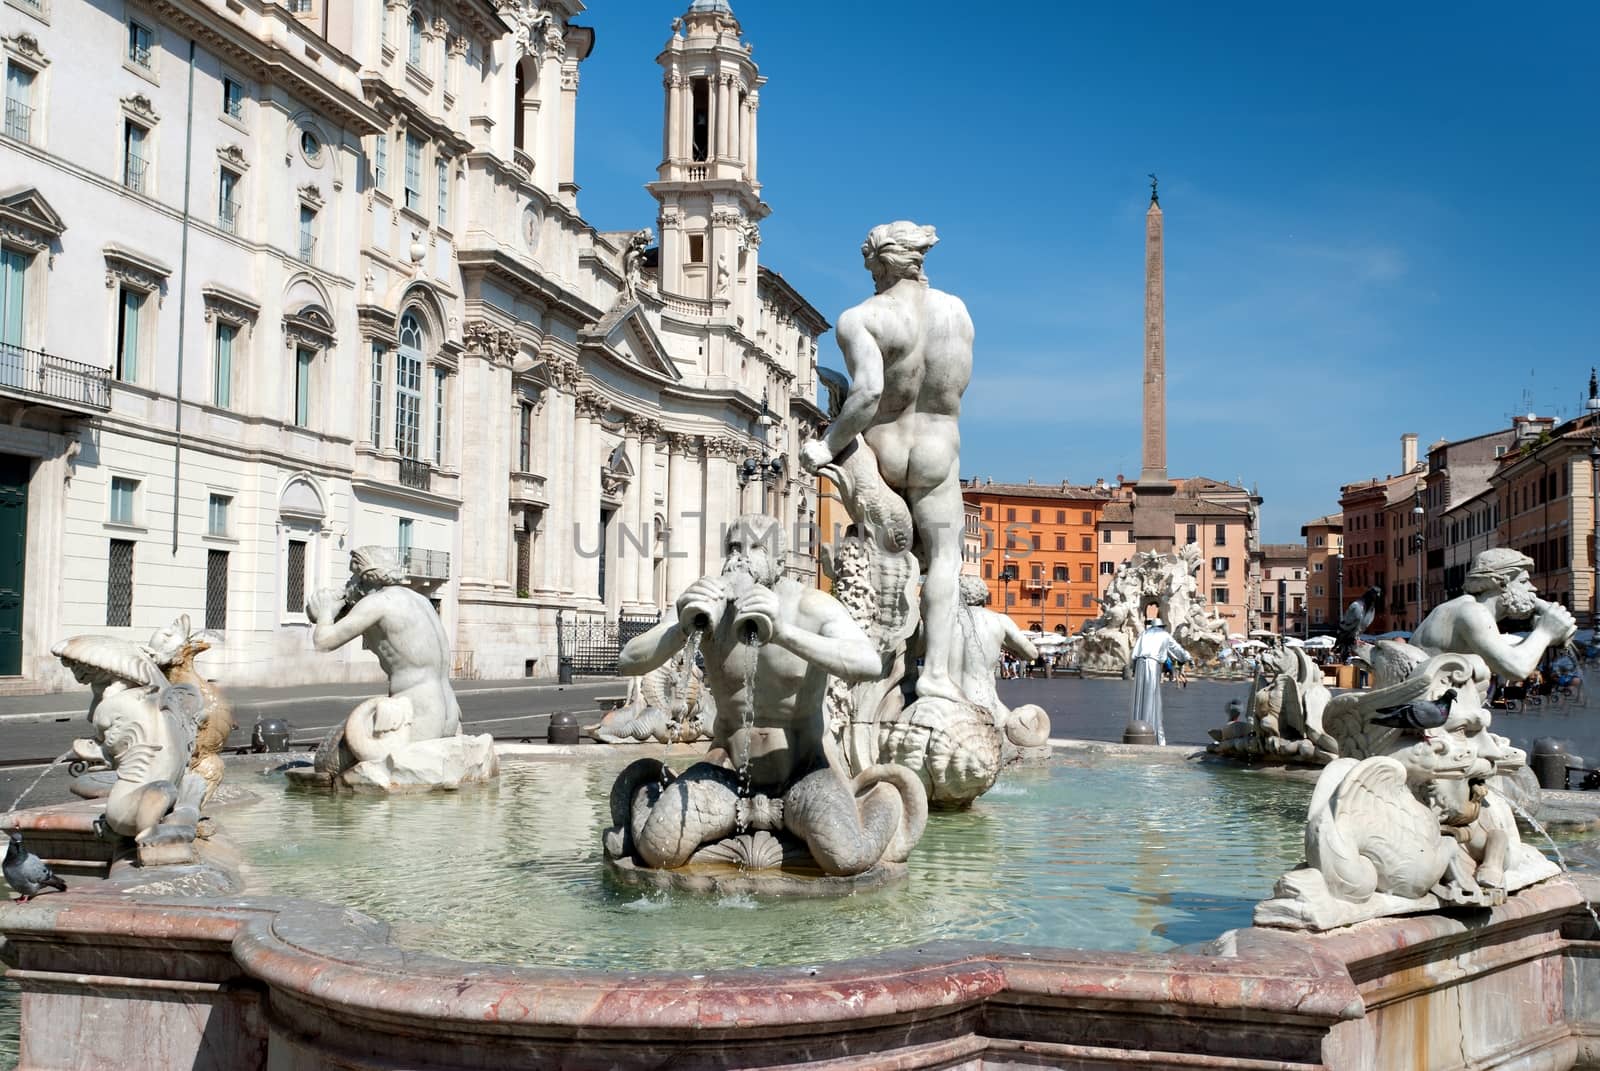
pixel 174 649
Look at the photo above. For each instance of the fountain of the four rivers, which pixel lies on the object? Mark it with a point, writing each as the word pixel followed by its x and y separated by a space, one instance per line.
pixel 872 862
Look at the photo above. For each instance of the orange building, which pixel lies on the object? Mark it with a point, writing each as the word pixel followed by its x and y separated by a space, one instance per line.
pixel 1037 550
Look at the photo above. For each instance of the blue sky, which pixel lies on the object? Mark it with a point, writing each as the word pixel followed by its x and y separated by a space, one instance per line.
pixel 1376 222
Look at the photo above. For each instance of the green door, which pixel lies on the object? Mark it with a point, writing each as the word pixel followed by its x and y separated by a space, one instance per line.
pixel 13 557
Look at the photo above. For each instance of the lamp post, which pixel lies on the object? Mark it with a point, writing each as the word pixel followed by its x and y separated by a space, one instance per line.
pixel 1419 543
pixel 1008 573
pixel 769 468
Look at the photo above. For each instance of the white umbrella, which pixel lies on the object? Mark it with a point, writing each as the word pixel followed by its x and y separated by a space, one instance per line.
pixel 1320 641
pixel 1235 635
pixel 1294 641
pixel 1247 644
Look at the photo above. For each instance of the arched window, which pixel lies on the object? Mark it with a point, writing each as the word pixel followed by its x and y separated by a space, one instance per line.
pixel 408 388
pixel 519 123
pixel 414 40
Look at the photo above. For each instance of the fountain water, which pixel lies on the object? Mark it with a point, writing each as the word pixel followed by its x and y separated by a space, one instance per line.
pixel 1561 860
pixel 752 644
pixel 59 759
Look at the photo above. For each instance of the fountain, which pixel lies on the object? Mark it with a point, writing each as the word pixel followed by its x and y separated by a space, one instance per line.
pixel 604 914
pixel 1167 582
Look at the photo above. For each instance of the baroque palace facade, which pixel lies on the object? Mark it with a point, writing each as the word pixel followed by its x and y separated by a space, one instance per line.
pixel 285 279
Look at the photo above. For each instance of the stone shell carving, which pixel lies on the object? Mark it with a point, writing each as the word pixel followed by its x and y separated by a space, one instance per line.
pixel 953 747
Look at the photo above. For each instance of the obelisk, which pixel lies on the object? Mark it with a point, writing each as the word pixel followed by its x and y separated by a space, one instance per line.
pixel 1153 519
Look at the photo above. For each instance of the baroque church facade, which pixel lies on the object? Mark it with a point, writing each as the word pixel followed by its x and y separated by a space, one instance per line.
pixel 285 279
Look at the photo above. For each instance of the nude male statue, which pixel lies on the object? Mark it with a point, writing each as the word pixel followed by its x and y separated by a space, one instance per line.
pixel 975 658
pixel 908 350
pixel 803 636
pixel 401 627
pixel 1496 588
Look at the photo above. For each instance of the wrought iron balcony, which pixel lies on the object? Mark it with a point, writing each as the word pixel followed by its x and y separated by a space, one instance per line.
pixel 424 564
pixel 133 168
pixel 228 215
pixel 308 247
pixel 415 473
pixel 19 120
pixel 36 374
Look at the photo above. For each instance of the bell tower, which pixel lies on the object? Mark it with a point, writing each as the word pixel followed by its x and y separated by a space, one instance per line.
pixel 706 185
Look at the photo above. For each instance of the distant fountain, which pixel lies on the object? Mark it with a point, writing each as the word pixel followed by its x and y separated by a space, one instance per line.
pixel 1167 582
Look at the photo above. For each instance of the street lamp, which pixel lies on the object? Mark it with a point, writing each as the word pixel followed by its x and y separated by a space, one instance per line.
pixel 1419 543
pixel 1008 573
pixel 769 467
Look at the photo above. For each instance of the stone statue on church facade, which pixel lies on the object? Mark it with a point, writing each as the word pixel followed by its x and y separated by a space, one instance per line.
pixel 1419 810
pixel 411 738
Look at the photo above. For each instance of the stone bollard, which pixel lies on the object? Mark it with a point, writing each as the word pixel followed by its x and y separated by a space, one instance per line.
pixel 1138 732
pixel 1549 762
pixel 564 669
pixel 563 728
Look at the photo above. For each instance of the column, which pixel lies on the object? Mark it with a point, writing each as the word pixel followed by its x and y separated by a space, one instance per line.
pixel 752 100
pixel 745 126
pixel 682 545
pixel 682 147
pixel 669 111
pixel 736 121
pixel 645 529
pixel 719 504
pixel 585 494
pixel 625 525
pixel 724 113
pixel 569 131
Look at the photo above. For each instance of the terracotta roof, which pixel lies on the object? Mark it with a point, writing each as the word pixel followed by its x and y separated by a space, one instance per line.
pixel 1117 513
pixel 1283 550
pixel 1036 490
pixel 1205 507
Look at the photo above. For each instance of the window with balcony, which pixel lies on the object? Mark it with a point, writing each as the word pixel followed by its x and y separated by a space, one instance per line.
pixel 308 233
pixel 408 389
pixel 14 265
pixel 439 380
pixel 222 365
pixel 140 42
pixel 413 197
pixel 304 363
pixel 134 160
pixel 228 200
pixel 376 398
pixel 232 97
pixel 130 330
pixel 19 102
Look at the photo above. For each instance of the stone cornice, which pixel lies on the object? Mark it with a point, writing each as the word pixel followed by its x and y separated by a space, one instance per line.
pixel 25 46
pixel 126 266
pixel 390 101
pixel 228 304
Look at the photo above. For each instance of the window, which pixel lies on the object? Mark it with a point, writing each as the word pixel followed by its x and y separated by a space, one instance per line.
pixel 1061 516
pixel 121 502
pixel 1060 573
pixel 413 175
pixel 380 162
pixel 1087 601
pixel 13 282
pixel 308 232
pixel 1191 535
pixel 1011 515
pixel 133 157
pixel 130 310
pixel 1316 567
pixel 1105 536
pixel 300 7
pixel 1219 596
pixel 1219 566
pixel 1086 573
pixel 1222 535
pixel 140 40
pixel 1061 600
pixel 302 386
pixel 1108 568
pixel 119 584
pixel 1319 540
pixel 408 389
pixel 1035 541
pixel 438 415
pixel 414 40
pixel 1011 598
pixel 228 200
pixel 1088 517
pixel 377 394
pixel 1061 542
pixel 524 437
pixel 697 249
pixel 311 147
pixel 217 589
pixel 217 514
pixel 443 170
pixel 1086 544
pixel 988 570
pixel 1317 591
pixel 700 124
pixel 294 577
pixel 1316 615
pixel 222 366
pixel 232 97
pixel 1035 516
pixel 19 102
pixel 403 539
pixel 1266 604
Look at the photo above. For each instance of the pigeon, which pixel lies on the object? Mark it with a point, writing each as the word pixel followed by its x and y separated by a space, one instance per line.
pixel 26 872
pixel 1419 715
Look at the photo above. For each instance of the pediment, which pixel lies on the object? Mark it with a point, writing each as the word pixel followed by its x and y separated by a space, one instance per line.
pixel 26 209
pixel 626 335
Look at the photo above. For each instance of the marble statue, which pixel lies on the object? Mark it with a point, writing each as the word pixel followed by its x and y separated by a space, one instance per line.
pixel 174 649
pixel 633 263
pixel 410 738
pixel 722 275
pixel 985 635
pixel 1155 646
pixel 773 791
pixel 1356 620
pixel 892 448
pixel 145 729
pixel 1420 808
pixel 1284 722
pixel 668 705
pixel 1166 582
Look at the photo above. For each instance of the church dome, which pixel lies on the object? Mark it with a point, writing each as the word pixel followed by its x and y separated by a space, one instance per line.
pixel 710 7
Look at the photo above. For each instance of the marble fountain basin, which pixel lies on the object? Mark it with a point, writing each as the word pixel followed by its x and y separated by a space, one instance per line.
pixel 1092 911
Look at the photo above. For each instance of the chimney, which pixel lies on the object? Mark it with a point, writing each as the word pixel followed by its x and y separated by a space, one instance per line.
pixel 1408 451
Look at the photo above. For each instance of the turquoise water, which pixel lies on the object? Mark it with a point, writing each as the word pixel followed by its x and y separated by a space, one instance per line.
pixel 1106 854
pixel 1114 854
